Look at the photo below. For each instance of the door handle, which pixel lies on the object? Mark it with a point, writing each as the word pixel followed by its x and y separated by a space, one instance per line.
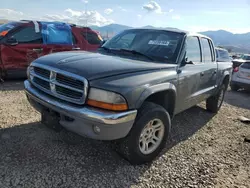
pixel 77 48
pixel 202 73
pixel 37 49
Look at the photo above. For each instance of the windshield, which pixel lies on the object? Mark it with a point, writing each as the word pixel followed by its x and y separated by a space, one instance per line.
pixel 159 45
pixel 5 28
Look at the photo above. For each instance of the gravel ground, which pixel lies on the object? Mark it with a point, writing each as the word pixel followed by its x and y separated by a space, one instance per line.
pixel 203 151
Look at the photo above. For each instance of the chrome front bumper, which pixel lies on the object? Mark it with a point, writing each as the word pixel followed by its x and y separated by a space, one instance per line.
pixel 112 125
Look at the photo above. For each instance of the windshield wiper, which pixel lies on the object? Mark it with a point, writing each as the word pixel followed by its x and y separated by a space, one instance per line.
pixel 109 50
pixel 105 48
pixel 136 53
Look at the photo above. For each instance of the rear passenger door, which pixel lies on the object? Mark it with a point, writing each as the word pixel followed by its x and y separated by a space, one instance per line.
pixel 208 69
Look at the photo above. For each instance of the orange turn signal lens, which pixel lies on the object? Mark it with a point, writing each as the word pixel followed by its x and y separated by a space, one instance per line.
pixel 107 106
pixel 3 33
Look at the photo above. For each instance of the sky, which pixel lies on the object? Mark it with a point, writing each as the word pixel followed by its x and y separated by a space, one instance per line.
pixel 191 15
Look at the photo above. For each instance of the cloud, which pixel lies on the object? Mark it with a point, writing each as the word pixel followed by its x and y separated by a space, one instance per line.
pixel 108 11
pixel 69 16
pixel 139 16
pixel 85 1
pixel 80 17
pixel 176 17
pixel 171 10
pixel 153 6
pixel 11 14
pixel 122 9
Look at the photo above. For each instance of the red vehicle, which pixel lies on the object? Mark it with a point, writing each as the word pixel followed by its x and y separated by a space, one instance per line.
pixel 22 42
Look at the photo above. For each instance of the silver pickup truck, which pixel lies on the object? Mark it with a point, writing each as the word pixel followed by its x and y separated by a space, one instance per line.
pixel 130 90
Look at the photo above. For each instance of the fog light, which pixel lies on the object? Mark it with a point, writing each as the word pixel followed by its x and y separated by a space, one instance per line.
pixel 96 129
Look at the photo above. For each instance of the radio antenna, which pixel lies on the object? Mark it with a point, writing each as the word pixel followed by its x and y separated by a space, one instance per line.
pixel 86 24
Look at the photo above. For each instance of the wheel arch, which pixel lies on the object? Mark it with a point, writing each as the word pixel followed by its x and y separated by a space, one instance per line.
pixel 225 79
pixel 161 94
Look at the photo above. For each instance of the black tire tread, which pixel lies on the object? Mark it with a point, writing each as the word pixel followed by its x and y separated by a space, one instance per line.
pixel 212 102
pixel 122 145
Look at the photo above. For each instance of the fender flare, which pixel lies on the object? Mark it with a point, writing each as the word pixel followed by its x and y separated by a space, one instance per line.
pixel 153 90
pixel 225 73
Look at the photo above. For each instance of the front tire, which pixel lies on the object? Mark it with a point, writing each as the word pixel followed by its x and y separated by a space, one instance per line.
pixel 148 136
pixel 214 103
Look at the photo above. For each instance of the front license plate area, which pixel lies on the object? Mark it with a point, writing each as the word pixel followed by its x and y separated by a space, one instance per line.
pixel 51 119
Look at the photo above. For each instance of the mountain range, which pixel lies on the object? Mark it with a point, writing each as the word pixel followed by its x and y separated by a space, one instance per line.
pixel 239 43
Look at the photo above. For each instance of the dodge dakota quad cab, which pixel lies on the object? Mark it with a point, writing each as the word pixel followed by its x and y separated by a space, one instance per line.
pixel 130 90
pixel 21 42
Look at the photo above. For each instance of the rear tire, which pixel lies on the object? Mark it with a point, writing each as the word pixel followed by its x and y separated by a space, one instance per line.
pixel 152 124
pixel 214 103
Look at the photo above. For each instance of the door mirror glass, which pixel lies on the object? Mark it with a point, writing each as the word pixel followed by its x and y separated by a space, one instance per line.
pixel 12 41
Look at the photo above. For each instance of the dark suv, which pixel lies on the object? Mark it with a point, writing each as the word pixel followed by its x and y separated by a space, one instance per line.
pixel 22 42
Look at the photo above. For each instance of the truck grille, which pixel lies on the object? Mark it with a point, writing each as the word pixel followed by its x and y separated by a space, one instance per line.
pixel 60 84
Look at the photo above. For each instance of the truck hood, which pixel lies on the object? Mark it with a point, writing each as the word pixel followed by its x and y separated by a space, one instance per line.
pixel 95 65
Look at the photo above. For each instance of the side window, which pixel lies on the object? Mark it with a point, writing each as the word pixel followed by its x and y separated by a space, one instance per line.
pixel 193 52
pixel 28 35
pixel 207 53
pixel 92 38
pixel 212 50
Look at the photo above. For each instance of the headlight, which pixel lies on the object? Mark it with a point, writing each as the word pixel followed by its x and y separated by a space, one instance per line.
pixel 106 100
pixel 29 69
pixel 28 72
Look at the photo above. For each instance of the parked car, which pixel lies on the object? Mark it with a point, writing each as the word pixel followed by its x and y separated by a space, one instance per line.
pixel 222 55
pixel 241 77
pixel 22 42
pixel 238 61
pixel 132 89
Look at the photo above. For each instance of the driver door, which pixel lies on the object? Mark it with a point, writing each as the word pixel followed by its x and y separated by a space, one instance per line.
pixel 189 75
pixel 16 57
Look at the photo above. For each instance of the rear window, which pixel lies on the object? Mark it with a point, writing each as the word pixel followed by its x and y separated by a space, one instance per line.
pixel 246 65
pixel 92 38
pixel 223 55
pixel 246 57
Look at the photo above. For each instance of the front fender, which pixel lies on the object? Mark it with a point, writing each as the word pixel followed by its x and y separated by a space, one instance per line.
pixel 155 89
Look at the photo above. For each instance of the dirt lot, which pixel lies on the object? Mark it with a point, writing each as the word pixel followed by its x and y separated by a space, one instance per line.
pixel 205 150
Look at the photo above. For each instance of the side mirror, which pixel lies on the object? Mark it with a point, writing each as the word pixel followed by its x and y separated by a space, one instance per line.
pixel 185 62
pixel 11 41
pixel 103 42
